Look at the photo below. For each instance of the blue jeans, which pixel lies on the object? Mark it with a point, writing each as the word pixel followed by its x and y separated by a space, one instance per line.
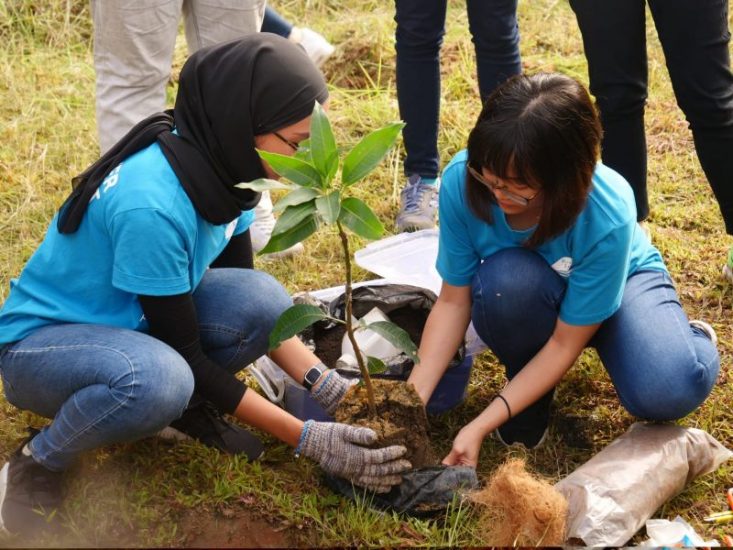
pixel 662 369
pixel 695 37
pixel 104 385
pixel 419 36
pixel 275 23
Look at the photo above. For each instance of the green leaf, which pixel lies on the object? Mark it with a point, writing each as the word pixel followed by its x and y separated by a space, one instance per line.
pixel 375 366
pixel 358 217
pixel 299 196
pixel 397 336
pixel 285 240
pixel 264 184
pixel 329 206
pixel 323 145
pixel 296 170
pixel 304 151
pixel 293 215
pixel 369 152
pixel 293 320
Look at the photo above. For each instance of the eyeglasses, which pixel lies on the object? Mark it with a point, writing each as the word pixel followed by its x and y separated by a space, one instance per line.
pixel 292 145
pixel 494 187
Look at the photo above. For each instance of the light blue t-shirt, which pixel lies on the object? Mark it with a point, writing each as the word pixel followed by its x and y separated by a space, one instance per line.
pixel 596 255
pixel 140 235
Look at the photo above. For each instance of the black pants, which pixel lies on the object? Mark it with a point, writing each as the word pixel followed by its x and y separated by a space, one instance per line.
pixel 694 36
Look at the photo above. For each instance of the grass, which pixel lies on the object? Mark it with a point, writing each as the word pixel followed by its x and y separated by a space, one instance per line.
pixel 152 493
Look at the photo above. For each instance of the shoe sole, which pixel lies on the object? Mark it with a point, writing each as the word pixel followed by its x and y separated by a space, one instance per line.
pixel 3 489
pixel 497 435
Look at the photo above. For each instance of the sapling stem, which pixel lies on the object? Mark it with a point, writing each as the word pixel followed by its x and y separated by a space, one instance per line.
pixel 349 325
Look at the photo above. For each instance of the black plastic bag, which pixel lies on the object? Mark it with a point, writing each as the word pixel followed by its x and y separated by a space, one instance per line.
pixel 424 493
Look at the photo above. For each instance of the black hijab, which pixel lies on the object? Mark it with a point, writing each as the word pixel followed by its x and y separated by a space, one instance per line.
pixel 227 94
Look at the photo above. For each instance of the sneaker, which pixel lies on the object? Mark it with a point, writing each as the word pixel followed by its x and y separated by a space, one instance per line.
pixel 706 329
pixel 728 267
pixel 206 424
pixel 30 494
pixel 261 230
pixel 315 45
pixel 418 205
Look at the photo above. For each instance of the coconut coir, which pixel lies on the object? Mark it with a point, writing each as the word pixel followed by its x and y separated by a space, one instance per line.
pixel 519 509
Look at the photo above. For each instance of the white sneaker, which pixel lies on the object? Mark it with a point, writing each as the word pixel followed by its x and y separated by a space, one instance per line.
pixel 315 45
pixel 705 328
pixel 261 229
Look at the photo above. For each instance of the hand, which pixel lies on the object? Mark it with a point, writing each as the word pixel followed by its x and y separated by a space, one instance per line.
pixel 466 448
pixel 338 449
pixel 331 390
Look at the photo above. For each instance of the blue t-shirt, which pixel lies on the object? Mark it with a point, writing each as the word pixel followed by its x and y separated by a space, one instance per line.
pixel 140 235
pixel 596 255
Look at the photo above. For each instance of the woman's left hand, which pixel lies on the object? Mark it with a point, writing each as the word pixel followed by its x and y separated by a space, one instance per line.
pixel 466 447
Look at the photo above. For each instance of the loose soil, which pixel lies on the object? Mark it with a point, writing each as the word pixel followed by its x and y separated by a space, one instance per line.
pixel 233 529
pixel 400 418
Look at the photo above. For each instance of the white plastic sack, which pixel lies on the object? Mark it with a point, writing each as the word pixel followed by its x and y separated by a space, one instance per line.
pixel 612 495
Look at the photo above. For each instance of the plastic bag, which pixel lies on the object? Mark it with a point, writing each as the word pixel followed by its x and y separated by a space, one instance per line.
pixel 613 494
pixel 423 493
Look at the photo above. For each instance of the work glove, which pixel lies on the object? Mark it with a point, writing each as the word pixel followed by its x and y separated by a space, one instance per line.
pixel 329 393
pixel 339 451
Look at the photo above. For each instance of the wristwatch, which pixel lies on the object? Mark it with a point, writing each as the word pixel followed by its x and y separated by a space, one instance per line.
pixel 312 375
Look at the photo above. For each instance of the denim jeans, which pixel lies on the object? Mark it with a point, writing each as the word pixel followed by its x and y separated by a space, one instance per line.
pixel 419 36
pixel 662 369
pixel 104 385
pixel 275 23
pixel 694 35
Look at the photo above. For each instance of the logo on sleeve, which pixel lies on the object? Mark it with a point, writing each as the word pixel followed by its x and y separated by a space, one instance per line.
pixel 563 266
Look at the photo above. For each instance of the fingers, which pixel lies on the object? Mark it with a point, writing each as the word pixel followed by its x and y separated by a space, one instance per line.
pixel 385 454
pixel 386 468
pixel 359 435
pixel 452 458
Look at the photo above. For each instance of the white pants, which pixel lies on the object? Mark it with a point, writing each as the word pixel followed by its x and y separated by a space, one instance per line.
pixel 133 50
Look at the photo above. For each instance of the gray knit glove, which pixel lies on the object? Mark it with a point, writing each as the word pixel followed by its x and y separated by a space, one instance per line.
pixel 329 393
pixel 338 449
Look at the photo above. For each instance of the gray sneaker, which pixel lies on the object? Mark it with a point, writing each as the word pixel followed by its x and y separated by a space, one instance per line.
pixel 418 205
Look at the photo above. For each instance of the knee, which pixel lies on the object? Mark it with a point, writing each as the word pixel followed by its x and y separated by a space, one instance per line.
pixel 509 275
pixel 620 100
pixel 164 391
pixel 268 297
pixel 671 397
pixel 418 38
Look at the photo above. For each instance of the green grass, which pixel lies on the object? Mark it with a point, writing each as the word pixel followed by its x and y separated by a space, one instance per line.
pixel 152 493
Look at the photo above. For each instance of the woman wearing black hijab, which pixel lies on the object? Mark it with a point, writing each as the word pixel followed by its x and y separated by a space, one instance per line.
pixel 141 303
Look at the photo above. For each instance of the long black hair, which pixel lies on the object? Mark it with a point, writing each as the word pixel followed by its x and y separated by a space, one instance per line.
pixel 227 94
pixel 545 131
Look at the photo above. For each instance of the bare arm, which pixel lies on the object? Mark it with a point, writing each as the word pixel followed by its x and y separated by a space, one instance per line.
pixel 444 331
pixel 540 375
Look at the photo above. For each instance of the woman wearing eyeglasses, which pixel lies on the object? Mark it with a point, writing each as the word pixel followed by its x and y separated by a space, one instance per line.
pixel 540 248
pixel 142 292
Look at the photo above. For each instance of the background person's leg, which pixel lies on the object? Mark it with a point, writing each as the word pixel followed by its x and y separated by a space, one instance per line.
pixel 614 38
pixel 418 38
pixel 493 26
pixel 133 51
pixel 695 39
pixel 208 23
pixel 516 298
pixel 661 367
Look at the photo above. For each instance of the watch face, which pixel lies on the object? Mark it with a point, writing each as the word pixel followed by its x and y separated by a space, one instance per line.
pixel 312 375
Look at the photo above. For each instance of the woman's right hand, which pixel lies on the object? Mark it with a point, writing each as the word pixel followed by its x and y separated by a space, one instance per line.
pixel 339 449
pixel 466 448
